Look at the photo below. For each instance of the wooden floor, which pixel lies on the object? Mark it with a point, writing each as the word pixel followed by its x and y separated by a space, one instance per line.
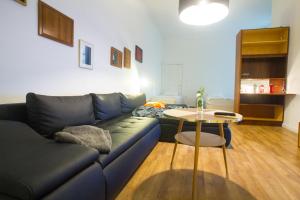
pixel 263 164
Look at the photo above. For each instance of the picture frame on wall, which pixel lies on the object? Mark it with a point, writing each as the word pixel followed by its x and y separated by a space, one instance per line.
pixel 116 57
pixel 138 54
pixel 127 58
pixel 22 2
pixel 86 55
pixel 54 25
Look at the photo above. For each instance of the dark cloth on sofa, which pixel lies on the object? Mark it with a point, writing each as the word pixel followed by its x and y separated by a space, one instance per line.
pixel 149 111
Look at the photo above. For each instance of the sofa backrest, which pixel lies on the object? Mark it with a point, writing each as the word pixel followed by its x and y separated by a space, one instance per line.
pixel 49 114
pixel 19 111
pixel 107 106
pixel 14 112
pixel 130 102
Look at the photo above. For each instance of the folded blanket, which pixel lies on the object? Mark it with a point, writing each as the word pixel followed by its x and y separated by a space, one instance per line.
pixel 89 136
pixel 154 112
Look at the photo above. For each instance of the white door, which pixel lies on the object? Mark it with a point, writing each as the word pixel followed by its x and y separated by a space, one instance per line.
pixel 172 79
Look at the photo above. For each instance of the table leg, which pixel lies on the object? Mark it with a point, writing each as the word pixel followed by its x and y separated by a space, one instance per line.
pixel 197 145
pixel 179 130
pixel 221 129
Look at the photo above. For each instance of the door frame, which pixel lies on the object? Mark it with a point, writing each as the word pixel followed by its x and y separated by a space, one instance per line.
pixel 163 84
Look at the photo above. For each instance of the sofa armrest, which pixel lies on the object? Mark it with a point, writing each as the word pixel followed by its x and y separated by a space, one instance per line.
pixel 32 166
pixel 4 197
pixel 88 184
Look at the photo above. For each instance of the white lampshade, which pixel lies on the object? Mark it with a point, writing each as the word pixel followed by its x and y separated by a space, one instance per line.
pixel 203 12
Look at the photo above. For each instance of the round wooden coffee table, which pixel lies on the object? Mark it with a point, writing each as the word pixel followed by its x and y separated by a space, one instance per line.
pixel 198 138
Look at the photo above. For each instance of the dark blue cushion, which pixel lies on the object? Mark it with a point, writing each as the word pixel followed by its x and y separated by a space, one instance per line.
pixel 125 131
pixel 49 114
pixel 31 166
pixel 130 102
pixel 119 171
pixel 107 106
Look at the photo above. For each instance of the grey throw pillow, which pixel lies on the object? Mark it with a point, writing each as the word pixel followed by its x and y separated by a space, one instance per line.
pixel 86 135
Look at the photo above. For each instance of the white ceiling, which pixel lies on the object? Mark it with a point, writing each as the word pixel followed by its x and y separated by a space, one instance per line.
pixel 243 14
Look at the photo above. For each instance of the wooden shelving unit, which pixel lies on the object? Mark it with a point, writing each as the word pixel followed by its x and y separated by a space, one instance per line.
pixel 262 55
pixel 263 43
pixel 266 94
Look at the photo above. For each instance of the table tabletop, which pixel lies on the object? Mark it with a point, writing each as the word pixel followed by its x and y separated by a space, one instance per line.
pixel 205 116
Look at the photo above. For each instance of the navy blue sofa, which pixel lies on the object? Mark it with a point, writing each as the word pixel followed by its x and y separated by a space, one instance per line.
pixel 34 166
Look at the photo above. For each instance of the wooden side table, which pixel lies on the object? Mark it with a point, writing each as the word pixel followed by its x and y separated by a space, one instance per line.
pixel 198 138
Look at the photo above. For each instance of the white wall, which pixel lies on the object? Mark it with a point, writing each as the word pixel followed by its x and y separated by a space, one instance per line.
pixel 208 53
pixel 33 63
pixel 286 13
pixel 207 62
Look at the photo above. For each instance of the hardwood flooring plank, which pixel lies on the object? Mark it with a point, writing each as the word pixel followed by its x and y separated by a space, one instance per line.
pixel 263 164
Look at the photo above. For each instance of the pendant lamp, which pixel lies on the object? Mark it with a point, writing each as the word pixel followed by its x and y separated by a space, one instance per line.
pixel 203 12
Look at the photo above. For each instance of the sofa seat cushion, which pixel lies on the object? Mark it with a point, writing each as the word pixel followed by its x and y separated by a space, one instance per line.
pixel 49 114
pixel 32 166
pixel 125 131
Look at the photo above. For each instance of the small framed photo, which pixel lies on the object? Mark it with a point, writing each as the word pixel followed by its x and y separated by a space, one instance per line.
pixel 127 58
pixel 116 57
pixel 23 2
pixel 138 54
pixel 86 55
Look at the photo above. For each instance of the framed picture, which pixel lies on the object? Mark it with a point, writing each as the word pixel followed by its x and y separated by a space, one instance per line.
pixel 127 58
pixel 23 2
pixel 86 55
pixel 116 57
pixel 138 54
pixel 54 25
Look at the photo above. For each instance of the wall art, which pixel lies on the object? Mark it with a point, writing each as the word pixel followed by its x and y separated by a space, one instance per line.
pixel 138 54
pixel 54 25
pixel 23 2
pixel 86 54
pixel 116 57
pixel 127 58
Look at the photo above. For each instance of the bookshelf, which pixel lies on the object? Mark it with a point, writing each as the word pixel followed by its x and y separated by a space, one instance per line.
pixel 260 79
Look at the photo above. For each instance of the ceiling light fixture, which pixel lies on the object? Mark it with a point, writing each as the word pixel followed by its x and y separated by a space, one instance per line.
pixel 203 12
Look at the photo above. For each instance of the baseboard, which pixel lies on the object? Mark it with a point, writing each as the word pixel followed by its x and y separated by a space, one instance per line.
pixel 290 128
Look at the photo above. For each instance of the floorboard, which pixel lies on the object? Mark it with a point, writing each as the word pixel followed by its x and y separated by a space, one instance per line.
pixel 263 164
